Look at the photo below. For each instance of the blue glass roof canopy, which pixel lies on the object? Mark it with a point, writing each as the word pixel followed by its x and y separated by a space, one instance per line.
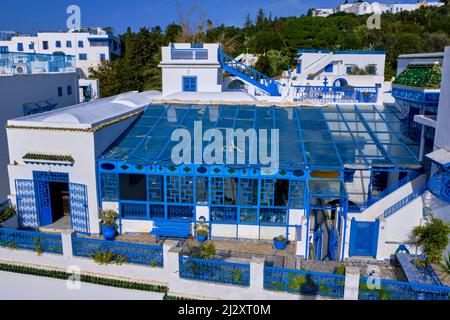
pixel 311 138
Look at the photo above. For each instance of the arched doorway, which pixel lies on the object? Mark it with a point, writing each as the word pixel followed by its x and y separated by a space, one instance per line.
pixel 340 82
pixel 237 85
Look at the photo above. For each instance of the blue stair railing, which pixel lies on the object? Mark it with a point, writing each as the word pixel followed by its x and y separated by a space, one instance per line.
pixel 394 187
pixel 250 75
pixel 405 201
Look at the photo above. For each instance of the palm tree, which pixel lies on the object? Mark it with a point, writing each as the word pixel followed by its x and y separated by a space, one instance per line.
pixel 445 265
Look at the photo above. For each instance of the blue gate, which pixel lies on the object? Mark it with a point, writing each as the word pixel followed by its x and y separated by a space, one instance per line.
pixel 79 207
pixel 364 238
pixel 26 204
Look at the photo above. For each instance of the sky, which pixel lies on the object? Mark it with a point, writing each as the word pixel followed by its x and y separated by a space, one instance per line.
pixel 31 16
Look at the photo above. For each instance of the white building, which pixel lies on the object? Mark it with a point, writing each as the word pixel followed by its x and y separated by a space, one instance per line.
pixel 26 89
pixel 364 8
pixel 89 46
pixel 323 12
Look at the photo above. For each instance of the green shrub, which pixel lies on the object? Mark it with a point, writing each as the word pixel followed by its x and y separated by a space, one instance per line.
pixel 445 265
pixel 108 257
pixel 83 278
pixel 38 247
pixel 7 213
pixel 108 217
pixel 432 238
pixel 208 250
pixel 340 269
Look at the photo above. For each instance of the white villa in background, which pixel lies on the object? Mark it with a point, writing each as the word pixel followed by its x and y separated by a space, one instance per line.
pixel 89 46
pixel 363 8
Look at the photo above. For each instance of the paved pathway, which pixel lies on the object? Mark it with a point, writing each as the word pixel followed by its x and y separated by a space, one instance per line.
pixel 18 286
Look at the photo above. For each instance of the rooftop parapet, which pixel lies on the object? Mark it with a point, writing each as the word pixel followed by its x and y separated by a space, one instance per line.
pixel 186 53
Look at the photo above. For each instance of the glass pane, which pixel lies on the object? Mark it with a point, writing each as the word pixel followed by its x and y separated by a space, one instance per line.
pixel 133 187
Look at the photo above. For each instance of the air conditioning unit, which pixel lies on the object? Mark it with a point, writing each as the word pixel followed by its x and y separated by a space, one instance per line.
pixel 21 69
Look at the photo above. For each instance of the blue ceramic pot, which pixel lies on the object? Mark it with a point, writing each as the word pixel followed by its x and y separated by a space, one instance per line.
pixel 280 245
pixel 108 232
pixel 202 239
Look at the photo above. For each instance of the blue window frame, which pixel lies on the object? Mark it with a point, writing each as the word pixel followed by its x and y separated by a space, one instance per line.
pixel 45 45
pixel 82 56
pixel 80 44
pixel 102 57
pixel 329 68
pixel 190 84
pixel 58 44
pixel 69 90
pixel 60 91
pixel 299 67
pixel 69 44
pixel 20 46
pixel 31 46
pixel 4 49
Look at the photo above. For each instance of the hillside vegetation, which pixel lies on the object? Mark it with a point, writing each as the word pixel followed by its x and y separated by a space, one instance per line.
pixel 277 40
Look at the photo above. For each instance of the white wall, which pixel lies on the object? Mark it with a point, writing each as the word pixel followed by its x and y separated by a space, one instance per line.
pixel 15 91
pixel 84 147
pixel 208 78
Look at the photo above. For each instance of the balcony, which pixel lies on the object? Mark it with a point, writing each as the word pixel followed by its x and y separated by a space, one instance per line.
pixel 13 63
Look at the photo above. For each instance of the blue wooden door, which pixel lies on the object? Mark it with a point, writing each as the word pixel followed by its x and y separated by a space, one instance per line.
pixel 79 211
pixel 26 204
pixel 44 202
pixel 364 238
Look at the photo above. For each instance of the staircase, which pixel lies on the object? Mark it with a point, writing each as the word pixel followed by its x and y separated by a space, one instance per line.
pixel 318 65
pixel 250 75
pixel 405 201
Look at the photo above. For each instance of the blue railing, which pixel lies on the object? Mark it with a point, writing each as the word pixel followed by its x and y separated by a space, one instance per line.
pixel 250 75
pixel 32 241
pixel 215 271
pixel 397 206
pixel 340 51
pixel 361 207
pixel 396 290
pixel 189 54
pixel 304 282
pixel 347 94
pixel 134 253
pixel 12 63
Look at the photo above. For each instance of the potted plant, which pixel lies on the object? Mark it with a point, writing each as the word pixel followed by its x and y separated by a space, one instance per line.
pixel 202 231
pixel 280 242
pixel 108 224
pixel 311 76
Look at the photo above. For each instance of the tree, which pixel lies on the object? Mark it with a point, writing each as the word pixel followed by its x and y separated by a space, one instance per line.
pixel 260 17
pixel 278 62
pixel 248 22
pixel 432 238
pixel 263 65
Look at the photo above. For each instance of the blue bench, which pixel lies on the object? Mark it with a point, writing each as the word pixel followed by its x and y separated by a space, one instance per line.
pixel 171 229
